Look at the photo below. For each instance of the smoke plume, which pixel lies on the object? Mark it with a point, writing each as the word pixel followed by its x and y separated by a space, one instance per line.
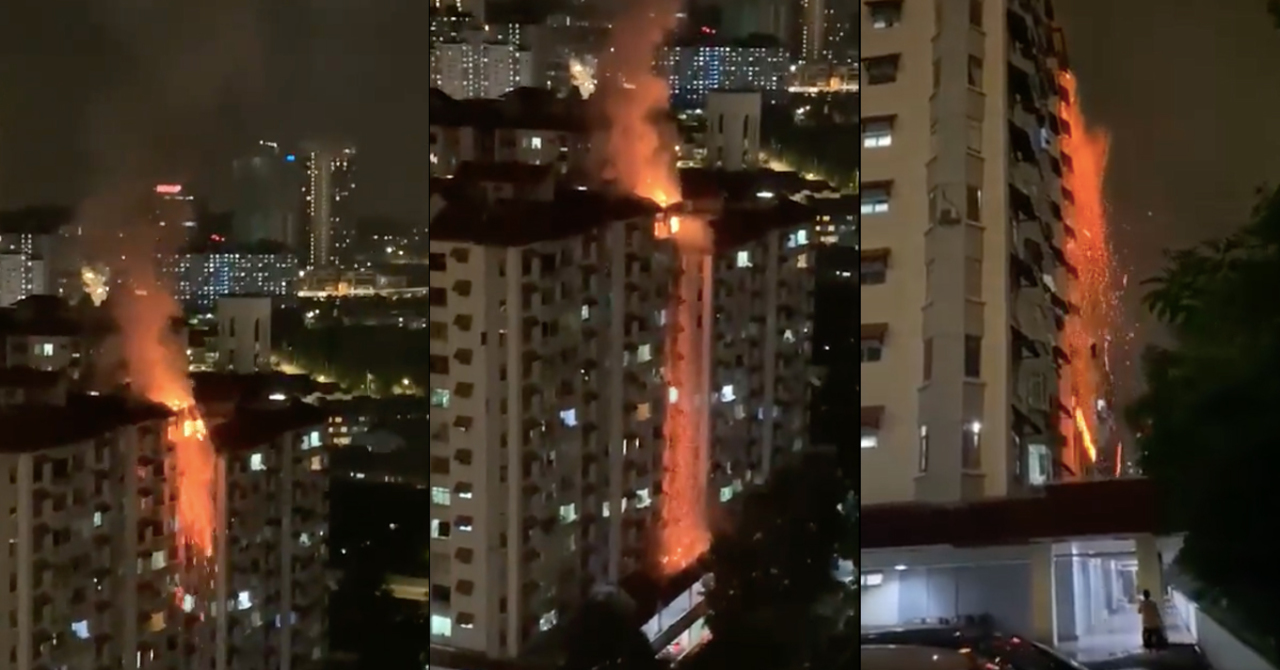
pixel 640 150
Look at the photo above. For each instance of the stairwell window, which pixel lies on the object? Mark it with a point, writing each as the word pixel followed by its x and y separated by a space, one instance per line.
pixel 924 449
pixel 971 446
pixel 975 72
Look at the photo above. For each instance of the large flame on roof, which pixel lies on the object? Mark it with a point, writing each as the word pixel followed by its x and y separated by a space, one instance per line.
pixel 640 159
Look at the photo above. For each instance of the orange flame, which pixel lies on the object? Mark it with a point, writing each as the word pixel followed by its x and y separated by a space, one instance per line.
pixel 1093 292
pixel 640 159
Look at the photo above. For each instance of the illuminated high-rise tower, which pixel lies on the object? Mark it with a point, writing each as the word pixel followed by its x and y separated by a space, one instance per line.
pixel 330 182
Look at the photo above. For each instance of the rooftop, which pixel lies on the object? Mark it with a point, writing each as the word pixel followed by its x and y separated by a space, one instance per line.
pixel 741 225
pixel 518 223
pixel 736 185
pixel 252 427
pixel 522 108
pixel 28 378
pixel 33 427
pixel 230 387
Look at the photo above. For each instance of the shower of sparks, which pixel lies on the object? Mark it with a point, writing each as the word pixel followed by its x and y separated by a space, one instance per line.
pixel 1093 294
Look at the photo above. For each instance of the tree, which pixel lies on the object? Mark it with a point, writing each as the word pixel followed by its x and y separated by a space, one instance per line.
pixel 1209 435
pixel 773 580
pixel 387 633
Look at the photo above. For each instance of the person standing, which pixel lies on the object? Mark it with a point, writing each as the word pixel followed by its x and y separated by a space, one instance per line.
pixel 1152 622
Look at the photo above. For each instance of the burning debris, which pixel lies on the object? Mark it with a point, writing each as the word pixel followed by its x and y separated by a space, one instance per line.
pixel 1093 293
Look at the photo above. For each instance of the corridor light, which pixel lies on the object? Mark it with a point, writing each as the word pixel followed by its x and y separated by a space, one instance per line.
pixel 899 567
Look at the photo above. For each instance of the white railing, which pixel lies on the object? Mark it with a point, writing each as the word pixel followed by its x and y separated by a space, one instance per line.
pixel 1220 647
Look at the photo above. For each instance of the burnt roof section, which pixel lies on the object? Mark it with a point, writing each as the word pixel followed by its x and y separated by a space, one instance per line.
pixel 737 226
pixel 84 417
pixel 518 223
pixel 252 427
pixel 522 108
pixel 28 378
pixel 711 183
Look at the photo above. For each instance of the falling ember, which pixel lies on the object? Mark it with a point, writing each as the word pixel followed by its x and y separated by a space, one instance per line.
pixel 640 160
pixel 1092 292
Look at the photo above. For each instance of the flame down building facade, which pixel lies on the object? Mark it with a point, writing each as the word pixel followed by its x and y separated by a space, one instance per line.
pixel 549 386
pixel 963 315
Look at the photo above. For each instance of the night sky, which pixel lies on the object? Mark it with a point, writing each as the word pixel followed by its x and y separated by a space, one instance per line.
pixel 1189 90
pixel 98 92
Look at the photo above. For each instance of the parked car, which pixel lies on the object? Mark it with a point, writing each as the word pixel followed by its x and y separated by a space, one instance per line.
pixel 957 648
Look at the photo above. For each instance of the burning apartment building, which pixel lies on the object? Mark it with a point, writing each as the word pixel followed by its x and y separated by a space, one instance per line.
pixel 100 575
pixel 554 369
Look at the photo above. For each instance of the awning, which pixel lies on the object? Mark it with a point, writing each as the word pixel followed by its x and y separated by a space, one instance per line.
pixel 873 332
pixel 880 255
pixel 871 416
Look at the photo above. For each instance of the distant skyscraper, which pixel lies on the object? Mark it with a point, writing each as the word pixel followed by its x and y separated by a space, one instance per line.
pixel 813 28
pixel 330 180
pixel 268 187
pixel 173 209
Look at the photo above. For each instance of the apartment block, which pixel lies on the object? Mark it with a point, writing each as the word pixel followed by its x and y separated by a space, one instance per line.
pixel 526 125
pixel 547 396
pixel 95 575
pixel 961 245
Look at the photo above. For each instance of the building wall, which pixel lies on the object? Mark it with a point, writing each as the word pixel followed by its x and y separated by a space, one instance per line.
pixel 244 333
pixel 733 129
pixel 539 355
pixel 949 378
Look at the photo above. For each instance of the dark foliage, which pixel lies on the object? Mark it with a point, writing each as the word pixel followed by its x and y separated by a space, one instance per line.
pixel 1208 432
pixel 602 635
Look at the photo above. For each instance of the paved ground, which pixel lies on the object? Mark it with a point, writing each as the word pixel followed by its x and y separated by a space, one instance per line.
pixel 1176 657
pixel 1120 636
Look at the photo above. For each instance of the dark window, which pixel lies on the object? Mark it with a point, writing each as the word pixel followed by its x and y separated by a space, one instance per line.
pixel 973 203
pixel 439 364
pixel 872 350
pixel 437 262
pixel 439 296
pixel 872 272
pixel 972 356
pixel 975 72
pixel 880 69
pixel 975 13
pixel 884 13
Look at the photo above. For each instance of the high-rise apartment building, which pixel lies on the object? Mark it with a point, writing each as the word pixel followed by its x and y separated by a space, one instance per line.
pixel 93 565
pixel 268 190
pixel 26 261
pixel 206 273
pixel 546 444
pixel 327 192
pixel 961 234
pixel 477 66
pixel 694 70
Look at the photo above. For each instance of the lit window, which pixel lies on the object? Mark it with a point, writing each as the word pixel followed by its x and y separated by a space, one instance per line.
pixel 158 559
pixel 726 493
pixel 569 417
pixel 440 495
pixel 885 14
pixel 464 524
pixel 441 625
pixel 643 498
pixel 97 519
pixel 45 349
pixel 440 529
pixel 535 142
pixel 642 411
pixel 971 446
pixel 256 462
pixel 877 133
pixel 81 629
pixel 870 439
pixel 547 621
pixel 243 600
pixel 568 513
pixel 744 259
pixel 644 353
pixel 874 200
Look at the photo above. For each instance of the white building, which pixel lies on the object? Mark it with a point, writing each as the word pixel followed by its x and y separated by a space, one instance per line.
pixel 476 67
pixel 25 269
pixel 695 70
pixel 528 125
pixel 327 192
pixel 201 278
pixel 959 310
pixel 244 333
pixel 732 137
pixel 546 447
